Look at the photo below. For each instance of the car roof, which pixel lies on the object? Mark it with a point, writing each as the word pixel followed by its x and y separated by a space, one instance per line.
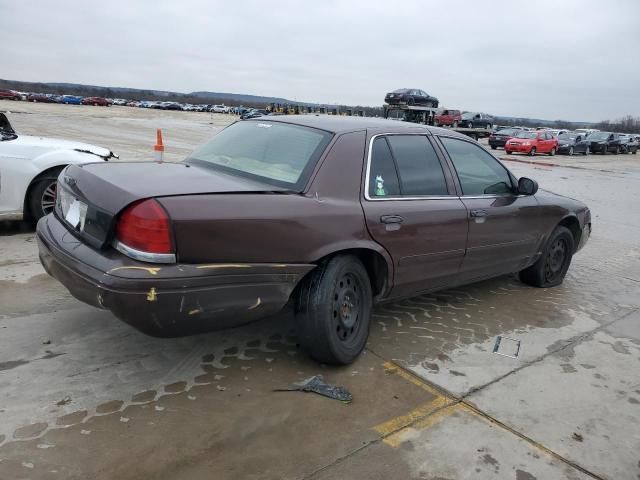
pixel 343 124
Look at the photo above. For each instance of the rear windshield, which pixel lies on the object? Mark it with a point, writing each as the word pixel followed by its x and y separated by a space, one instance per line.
pixel 271 152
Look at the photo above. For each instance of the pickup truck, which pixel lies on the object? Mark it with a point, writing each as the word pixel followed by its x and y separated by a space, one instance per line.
pixel 449 118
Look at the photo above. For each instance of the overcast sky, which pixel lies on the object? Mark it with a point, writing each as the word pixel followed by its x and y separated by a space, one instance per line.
pixel 560 59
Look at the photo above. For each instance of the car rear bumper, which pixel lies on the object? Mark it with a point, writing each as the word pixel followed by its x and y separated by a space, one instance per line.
pixel 165 300
pixel 497 142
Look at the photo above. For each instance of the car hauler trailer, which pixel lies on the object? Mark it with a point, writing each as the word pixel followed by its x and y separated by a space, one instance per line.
pixel 425 116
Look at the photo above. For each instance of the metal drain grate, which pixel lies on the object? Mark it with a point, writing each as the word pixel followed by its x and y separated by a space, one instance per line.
pixel 507 347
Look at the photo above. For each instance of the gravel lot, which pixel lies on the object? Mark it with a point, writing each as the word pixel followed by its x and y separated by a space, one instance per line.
pixel 82 395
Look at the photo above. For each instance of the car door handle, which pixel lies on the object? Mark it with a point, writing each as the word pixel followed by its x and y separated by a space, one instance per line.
pixel 478 213
pixel 391 219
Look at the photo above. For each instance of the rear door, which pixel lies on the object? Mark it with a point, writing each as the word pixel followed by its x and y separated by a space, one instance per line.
pixel 503 226
pixel 412 210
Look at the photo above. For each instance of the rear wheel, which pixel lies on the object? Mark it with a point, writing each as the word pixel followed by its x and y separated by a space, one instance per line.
pixel 570 151
pixel 586 151
pixel 455 124
pixel 333 310
pixel 469 124
pixel 42 195
pixel 493 147
pixel 552 266
pixel 508 152
pixel 552 152
pixel 532 152
pixel 616 151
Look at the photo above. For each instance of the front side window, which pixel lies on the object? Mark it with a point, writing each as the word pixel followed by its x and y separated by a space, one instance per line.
pixel 479 173
pixel 276 153
pixel 405 165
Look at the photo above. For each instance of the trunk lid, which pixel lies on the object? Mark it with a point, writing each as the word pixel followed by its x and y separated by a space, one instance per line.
pixel 106 191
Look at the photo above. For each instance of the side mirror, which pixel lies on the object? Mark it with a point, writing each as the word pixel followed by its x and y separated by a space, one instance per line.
pixel 526 186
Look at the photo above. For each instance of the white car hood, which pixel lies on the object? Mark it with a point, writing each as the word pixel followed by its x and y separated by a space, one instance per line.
pixel 44 144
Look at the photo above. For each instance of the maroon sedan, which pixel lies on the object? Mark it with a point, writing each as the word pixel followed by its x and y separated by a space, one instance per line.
pixel 328 214
pixel 97 101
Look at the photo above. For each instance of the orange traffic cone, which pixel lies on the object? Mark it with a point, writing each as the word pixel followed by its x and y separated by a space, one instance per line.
pixel 159 147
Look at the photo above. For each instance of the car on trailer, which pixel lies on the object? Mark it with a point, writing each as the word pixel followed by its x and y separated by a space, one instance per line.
pixel 448 118
pixel 325 215
pixel 475 120
pixel 411 96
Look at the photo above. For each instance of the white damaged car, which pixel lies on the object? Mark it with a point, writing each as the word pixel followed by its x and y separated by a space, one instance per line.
pixel 29 169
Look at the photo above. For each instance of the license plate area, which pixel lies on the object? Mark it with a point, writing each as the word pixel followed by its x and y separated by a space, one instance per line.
pixel 73 210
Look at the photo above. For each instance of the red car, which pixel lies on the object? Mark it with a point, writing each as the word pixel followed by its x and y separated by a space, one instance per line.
pixel 449 118
pixel 97 101
pixel 532 143
pixel 9 95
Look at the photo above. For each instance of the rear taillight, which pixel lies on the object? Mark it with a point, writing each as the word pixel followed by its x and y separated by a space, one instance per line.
pixel 144 226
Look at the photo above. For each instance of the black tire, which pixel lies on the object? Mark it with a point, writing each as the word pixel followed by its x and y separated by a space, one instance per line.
pixel 488 127
pixel 469 124
pixel 586 151
pixel 455 124
pixel 508 152
pixel 552 152
pixel 571 151
pixel 42 195
pixel 552 266
pixel 333 310
pixel 616 151
pixel 493 147
pixel 634 152
pixel 532 152
pixel 411 102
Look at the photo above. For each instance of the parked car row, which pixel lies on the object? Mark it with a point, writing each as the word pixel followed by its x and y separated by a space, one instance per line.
pixel 531 142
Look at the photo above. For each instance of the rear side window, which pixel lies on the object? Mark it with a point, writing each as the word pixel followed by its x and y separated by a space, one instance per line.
pixel 405 165
pixel 479 173
pixel 383 178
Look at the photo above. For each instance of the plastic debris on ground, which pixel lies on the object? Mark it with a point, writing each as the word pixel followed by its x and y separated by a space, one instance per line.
pixel 316 384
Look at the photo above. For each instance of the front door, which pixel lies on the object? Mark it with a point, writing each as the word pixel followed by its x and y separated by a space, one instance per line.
pixel 503 226
pixel 412 211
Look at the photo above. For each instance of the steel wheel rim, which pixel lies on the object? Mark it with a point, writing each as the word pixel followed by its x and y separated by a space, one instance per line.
pixel 571 151
pixel 347 307
pixel 554 263
pixel 48 200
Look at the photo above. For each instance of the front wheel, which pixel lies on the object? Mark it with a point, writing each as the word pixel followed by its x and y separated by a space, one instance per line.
pixel 469 124
pixel 455 124
pixel 508 152
pixel 42 196
pixel 616 151
pixel 571 151
pixel 552 152
pixel 532 152
pixel 333 310
pixel 493 147
pixel 552 266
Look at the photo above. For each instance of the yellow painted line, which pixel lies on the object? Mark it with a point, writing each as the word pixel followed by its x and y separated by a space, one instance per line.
pixel 396 439
pixel 392 368
pixel 402 421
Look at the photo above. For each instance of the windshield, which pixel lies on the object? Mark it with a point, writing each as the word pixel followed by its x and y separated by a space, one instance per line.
pixel 526 135
pixel 400 90
pixel 506 131
pixel 276 153
pixel 468 115
pixel 599 136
